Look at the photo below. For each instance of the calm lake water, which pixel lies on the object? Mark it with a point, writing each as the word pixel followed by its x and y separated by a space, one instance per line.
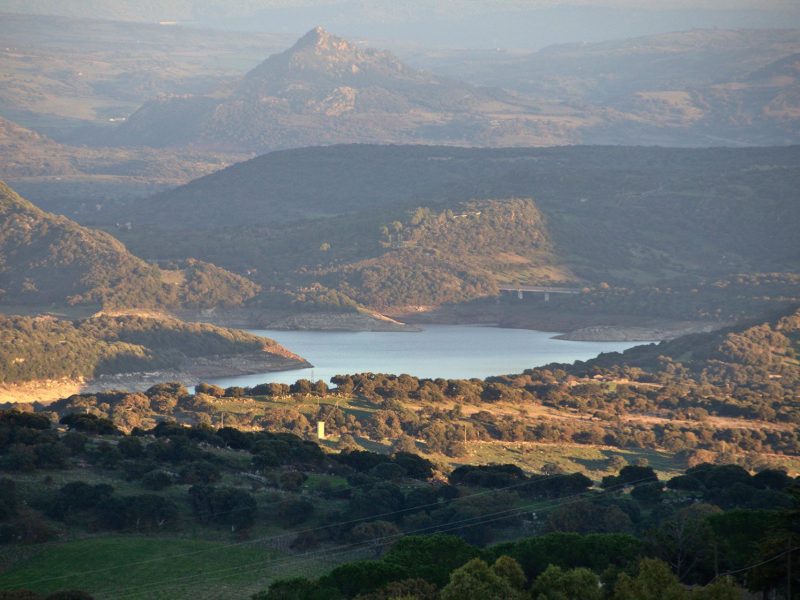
pixel 449 351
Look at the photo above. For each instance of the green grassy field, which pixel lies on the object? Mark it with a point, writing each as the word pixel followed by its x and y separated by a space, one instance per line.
pixel 147 567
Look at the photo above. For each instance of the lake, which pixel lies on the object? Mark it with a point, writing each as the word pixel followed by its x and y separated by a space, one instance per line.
pixel 448 351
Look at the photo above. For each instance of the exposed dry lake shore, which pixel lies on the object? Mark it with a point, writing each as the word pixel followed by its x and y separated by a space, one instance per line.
pixel 191 372
pixel 258 318
pixel 571 326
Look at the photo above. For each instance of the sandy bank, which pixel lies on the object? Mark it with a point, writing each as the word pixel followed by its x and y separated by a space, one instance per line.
pixel 608 333
pixel 573 326
pixel 191 372
pixel 254 318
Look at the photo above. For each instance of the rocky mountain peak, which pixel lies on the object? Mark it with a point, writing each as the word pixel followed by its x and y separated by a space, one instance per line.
pixel 324 62
pixel 321 40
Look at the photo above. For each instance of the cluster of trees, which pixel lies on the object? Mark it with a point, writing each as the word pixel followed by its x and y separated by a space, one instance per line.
pixel 314 298
pixel 547 567
pixel 679 550
pixel 435 257
pixel 99 508
pixel 707 521
pixel 45 348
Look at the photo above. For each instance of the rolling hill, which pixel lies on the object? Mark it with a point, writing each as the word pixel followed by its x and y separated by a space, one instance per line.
pixel 687 88
pixel 49 260
pixel 350 218
pixel 28 153
pixel 44 358
pixel 32 156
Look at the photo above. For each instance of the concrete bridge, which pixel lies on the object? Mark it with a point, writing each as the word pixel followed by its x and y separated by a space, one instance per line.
pixel 521 290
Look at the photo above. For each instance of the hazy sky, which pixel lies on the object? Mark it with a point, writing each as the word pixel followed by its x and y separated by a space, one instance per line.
pixel 512 24
pixel 146 8
pixel 636 4
pixel 666 4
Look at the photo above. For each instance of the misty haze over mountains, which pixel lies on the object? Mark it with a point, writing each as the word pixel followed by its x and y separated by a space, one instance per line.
pixel 486 24
pixel 693 88
pixel 325 89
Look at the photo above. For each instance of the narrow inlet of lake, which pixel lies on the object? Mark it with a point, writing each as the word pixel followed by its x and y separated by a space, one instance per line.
pixel 447 351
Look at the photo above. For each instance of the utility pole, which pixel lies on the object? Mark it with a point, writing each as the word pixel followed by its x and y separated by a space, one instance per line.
pixel 789 571
pixel 716 560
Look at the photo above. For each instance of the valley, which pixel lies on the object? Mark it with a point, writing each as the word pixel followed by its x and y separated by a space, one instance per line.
pixel 399 300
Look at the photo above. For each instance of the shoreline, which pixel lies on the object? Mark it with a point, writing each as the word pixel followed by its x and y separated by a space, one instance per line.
pixel 190 373
pixel 282 320
pixel 199 369
pixel 565 325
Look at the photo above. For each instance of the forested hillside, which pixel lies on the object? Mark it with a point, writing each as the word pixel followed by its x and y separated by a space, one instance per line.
pixel 762 350
pixel 452 255
pixel 652 224
pixel 49 260
pixel 36 348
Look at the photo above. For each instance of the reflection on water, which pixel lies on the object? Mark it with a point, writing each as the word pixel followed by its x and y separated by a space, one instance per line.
pixel 448 351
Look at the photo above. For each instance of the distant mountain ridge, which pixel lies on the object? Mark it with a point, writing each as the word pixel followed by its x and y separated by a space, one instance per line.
pixel 326 90
pixel 685 89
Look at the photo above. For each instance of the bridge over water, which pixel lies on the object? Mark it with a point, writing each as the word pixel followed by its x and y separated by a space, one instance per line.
pixel 521 290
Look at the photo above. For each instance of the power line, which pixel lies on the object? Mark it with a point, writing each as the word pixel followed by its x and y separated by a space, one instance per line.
pixel 309 530
pixel 453 526
pixel 758 564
